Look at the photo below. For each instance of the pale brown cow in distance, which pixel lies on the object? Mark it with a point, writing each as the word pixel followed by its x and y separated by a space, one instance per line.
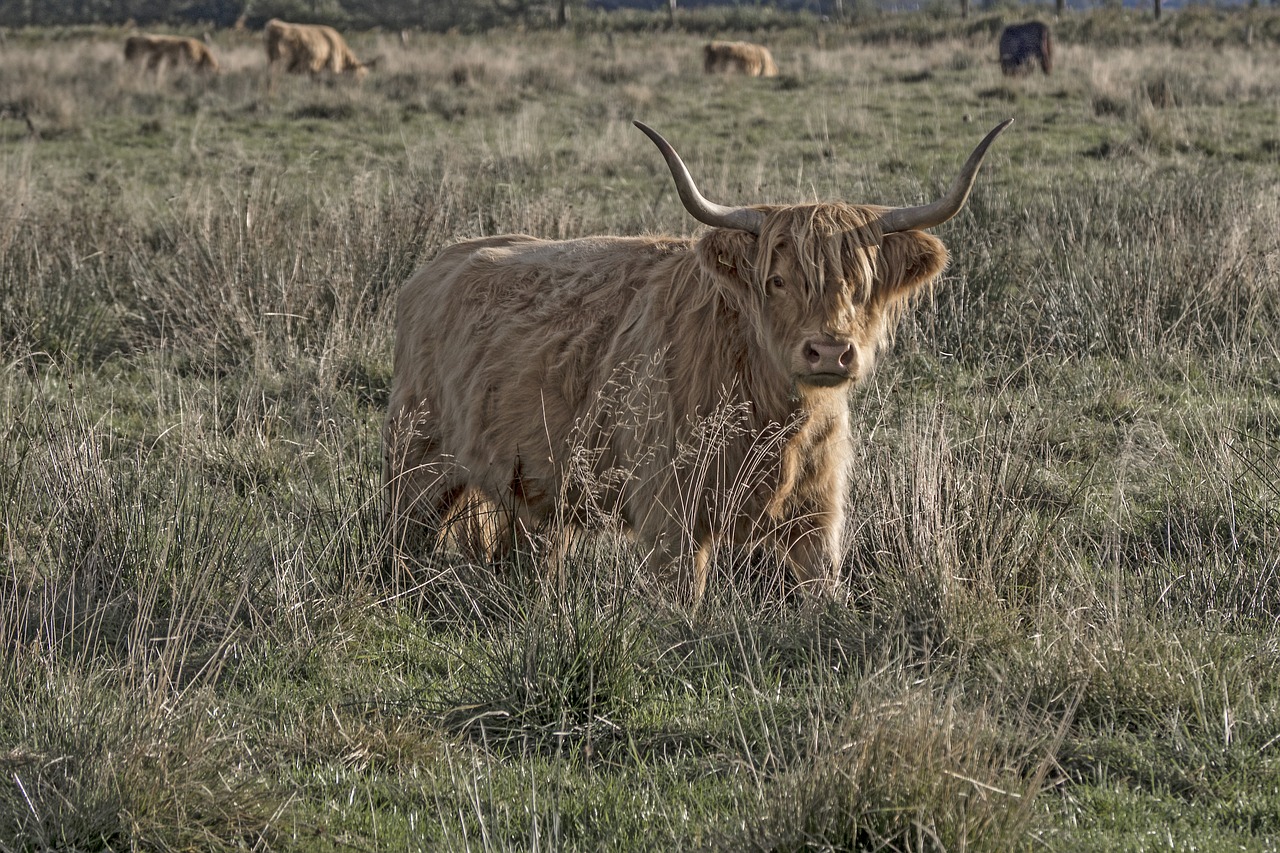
pixel 695 391
pixel 310 48
pixel 728 57
pixel 154 51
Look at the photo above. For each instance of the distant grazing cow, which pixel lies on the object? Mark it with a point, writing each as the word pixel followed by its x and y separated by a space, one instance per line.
pixel 727 57
pixel 310 48
pixel 1022 44
pixel 695 391
pixel 178 51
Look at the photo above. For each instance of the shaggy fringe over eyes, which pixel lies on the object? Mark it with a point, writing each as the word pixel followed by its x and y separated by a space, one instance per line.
pixel 831 241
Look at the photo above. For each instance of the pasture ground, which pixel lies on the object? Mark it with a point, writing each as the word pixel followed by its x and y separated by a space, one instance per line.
pixel 1063 632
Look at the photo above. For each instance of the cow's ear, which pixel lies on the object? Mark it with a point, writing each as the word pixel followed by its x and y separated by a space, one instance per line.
pixel 908 261
pixel 727 255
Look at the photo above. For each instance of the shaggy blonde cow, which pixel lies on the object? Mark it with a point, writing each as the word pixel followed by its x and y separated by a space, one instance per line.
pixel 153 51
pixel 310 48
pixel 727 57
pixel 695 391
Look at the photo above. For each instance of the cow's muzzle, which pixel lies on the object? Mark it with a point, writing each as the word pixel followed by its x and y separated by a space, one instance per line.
pixel 829 362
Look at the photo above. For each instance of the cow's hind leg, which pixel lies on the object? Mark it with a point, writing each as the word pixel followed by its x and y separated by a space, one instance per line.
pixel 473 525
pixel 430 499
pixel 420 485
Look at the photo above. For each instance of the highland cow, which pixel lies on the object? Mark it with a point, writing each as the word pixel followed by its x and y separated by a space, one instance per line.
pixel 310 49
pixel 1022 44
pixel 154 51
pixel 727 57
pixel 693 391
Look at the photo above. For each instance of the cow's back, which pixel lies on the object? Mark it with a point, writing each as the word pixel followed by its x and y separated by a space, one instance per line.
pixel 519 289
pixel 508 341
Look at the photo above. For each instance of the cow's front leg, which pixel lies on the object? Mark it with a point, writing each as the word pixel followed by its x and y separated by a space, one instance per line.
pixel 812 546
pixel 682 570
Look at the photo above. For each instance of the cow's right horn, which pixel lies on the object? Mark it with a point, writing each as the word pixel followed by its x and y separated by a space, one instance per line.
pixel 706 212
pixel 929 215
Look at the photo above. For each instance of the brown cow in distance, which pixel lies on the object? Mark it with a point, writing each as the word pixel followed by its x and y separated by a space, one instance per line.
pixel 694 391
pixel 726 57
pixel 310 48
pixel 153 51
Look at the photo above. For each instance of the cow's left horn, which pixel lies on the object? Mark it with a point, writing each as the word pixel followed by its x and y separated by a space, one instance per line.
pixel 706 212
pixel 929 215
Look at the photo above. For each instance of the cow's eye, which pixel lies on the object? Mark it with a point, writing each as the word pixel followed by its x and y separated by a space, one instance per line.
pixel 775 282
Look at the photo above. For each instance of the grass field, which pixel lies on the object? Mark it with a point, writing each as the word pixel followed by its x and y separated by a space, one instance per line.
pixel 1066 539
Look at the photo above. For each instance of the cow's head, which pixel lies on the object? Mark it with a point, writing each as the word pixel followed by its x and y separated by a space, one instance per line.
pixel 822 284
pixel 360 70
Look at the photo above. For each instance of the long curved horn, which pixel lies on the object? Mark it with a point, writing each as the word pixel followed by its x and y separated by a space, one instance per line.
pixel 706 212
pixel 929 215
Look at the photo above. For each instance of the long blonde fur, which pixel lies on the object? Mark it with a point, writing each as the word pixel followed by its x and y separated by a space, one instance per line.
pixel 741 57
pixel 153 51
pixel 309 48
pixel 655 382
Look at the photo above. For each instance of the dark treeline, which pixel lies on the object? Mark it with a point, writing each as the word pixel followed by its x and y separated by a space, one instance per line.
pixel 226 13
pixel 479 15
pixel 396 14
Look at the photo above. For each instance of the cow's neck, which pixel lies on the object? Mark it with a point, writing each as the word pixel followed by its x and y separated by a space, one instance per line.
pixel 715 357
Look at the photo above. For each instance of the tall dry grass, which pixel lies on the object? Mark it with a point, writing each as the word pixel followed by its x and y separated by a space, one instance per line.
pixel 1063 558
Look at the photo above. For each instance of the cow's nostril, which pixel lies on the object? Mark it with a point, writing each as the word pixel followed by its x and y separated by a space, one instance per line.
pixel 846 357
pixel 811 354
